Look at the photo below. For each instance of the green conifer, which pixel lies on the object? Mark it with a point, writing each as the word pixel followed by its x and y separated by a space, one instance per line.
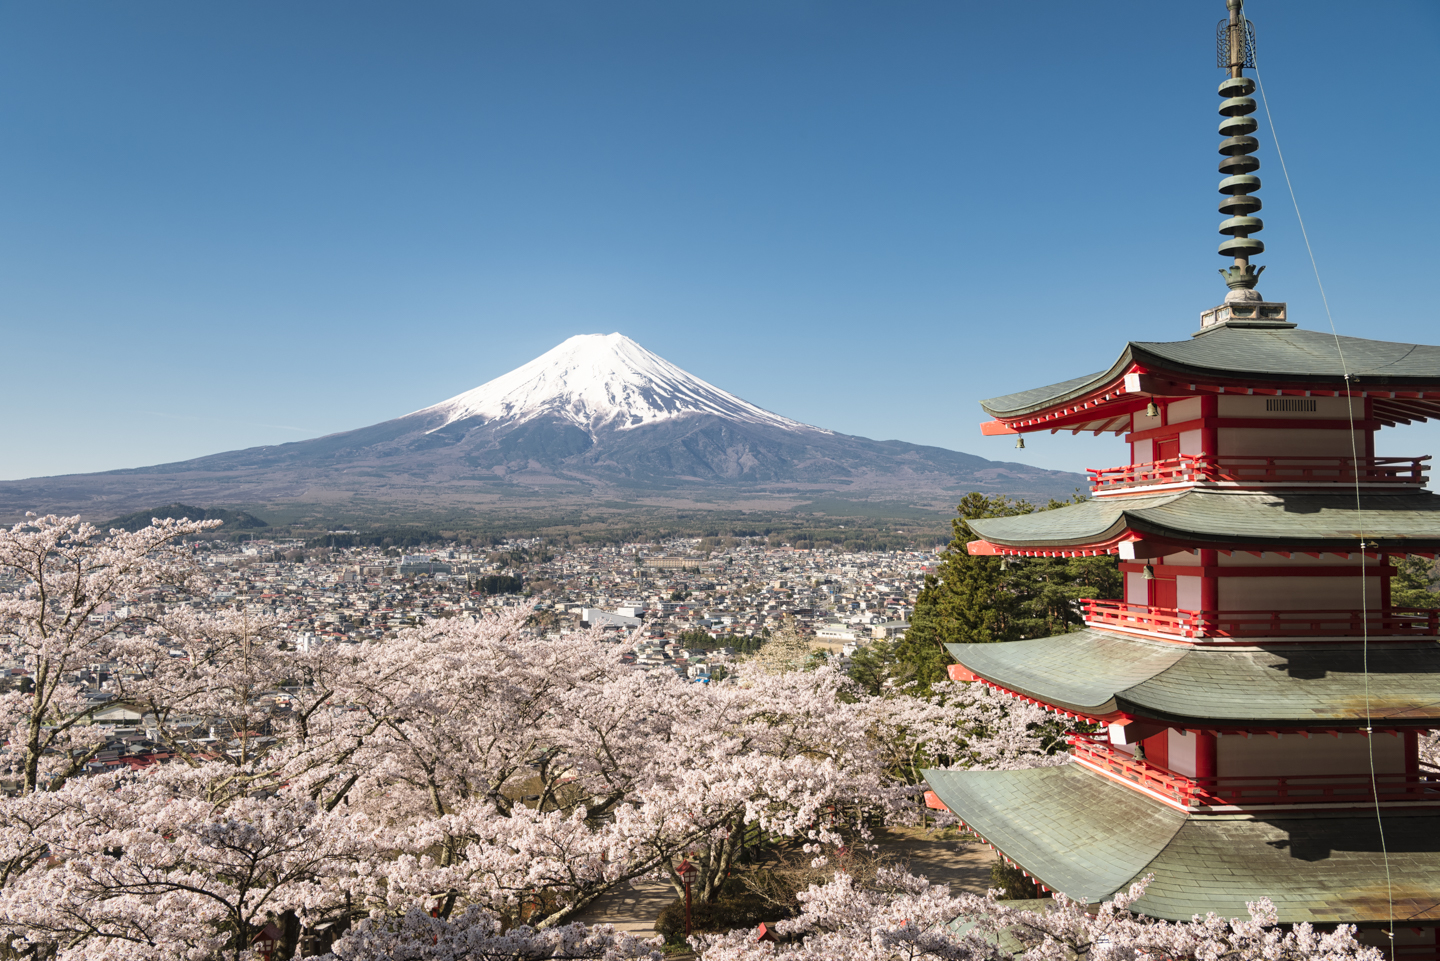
pixel 979 599
pixel 1414 584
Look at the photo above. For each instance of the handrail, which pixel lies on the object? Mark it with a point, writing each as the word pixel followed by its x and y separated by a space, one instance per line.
pixel 1383 621
pixel 1262 470
pixel 1261 789
pixel 1097 752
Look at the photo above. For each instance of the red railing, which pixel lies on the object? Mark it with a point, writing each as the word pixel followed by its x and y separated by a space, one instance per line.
pixel 1385 621
pixel 1262 471
pixel 1100 754
pixel 1244 791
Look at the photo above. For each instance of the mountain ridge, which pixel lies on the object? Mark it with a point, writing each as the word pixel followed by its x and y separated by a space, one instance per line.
pixel 597 417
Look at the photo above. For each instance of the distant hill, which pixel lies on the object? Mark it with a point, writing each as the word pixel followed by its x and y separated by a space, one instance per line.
pixel 598 420
pixel 234 520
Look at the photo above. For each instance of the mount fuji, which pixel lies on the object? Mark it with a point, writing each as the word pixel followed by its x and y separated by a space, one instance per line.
pixel 598 382
pixel 597 418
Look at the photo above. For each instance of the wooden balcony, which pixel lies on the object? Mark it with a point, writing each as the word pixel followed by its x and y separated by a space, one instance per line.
pixel 1096 753
pixel 1376 622
pixel 1258 471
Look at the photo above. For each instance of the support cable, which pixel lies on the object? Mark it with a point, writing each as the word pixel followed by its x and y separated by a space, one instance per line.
pixel 1359 513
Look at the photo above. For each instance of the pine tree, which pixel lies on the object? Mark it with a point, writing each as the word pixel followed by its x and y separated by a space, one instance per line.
pixel 877 668
pixel 976 600
pixel 1414 584
pixel 964 601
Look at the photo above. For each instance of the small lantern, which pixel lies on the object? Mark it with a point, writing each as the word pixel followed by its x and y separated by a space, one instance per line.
pixel 688 873
pixel 267 941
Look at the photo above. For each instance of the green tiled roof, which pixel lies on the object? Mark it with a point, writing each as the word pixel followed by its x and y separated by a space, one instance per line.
pixel 1013 405
pixel 1228 353
pixel 1070 832
pixel 1087 836
pixel 1226 518
pixel 1322 685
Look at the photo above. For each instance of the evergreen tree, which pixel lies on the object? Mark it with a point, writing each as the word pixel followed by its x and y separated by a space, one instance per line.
pixel 964 601
pixel 976 600
pixel 1414 584
pixel 878 669
pixel 1046 590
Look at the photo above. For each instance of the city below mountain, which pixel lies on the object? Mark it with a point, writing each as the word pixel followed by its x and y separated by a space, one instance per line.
pixel 597 419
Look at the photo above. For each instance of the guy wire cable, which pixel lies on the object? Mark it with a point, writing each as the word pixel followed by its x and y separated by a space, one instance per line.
pixel 1359 511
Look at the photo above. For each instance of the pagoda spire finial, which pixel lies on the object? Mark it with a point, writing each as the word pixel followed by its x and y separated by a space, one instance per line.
pixel 1235 50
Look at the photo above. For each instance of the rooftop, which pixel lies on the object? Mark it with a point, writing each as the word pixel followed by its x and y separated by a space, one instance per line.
pixel 1088 837
pixel 1100 675
pixel 1396 522
pixel 1243 357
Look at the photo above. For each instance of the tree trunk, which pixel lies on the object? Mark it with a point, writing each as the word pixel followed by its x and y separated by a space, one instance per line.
pixel 289 936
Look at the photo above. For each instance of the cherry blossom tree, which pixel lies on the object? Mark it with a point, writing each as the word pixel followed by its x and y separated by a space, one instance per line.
pixel 487 742
pixel 474 935
pixel 169 863
pixel 786 650
pixel 200 677
pixel 962 725
pixel 81 592
pixel 462 789
pixel 905 918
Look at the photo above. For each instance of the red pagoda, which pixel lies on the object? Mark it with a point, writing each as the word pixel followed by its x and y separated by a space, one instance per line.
pixel 1260 699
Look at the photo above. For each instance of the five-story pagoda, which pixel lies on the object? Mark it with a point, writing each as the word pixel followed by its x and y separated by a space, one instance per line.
pixel 1262 699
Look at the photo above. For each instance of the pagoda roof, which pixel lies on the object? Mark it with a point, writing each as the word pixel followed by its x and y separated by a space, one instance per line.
pixel 1226 519
pixel 1287 356
pixel 1089 837
pixel 1101 675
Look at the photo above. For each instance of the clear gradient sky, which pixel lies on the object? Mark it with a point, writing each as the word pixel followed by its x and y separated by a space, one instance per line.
pixel 232 224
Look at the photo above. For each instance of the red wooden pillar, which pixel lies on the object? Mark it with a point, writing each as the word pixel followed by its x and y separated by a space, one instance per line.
pixel 1412 754
pixel 1369 447
pixel 1209 587
pixel 1157 749
pixel 1384 562
pixel 1209 436
pixel 1204 755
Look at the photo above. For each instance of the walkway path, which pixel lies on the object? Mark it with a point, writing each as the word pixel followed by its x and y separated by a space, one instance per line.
pixel 963 866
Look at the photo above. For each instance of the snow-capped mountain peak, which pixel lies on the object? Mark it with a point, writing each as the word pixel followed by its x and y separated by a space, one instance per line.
pixel 600 380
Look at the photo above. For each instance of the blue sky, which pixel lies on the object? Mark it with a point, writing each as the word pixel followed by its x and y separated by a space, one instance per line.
pixel 224 225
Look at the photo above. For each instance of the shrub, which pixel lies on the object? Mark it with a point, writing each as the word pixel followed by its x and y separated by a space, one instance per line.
pixel 738 909
pixel 1011 880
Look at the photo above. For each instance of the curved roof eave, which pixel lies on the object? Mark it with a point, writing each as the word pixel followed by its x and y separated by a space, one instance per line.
pixel 1317 686
pixel 1408 521
pixel 1296 356
pixel 1040 398
pixel 1089 837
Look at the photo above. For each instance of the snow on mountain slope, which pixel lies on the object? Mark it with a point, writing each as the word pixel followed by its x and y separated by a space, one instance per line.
pixel 600 381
